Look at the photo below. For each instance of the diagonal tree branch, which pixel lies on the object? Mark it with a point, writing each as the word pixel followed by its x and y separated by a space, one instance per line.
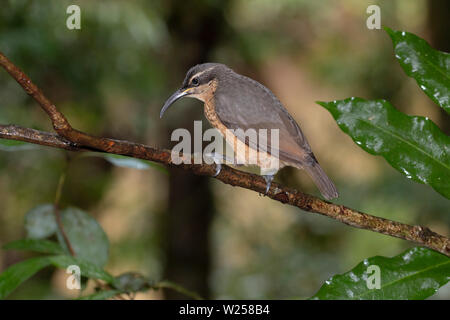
pixel 71 139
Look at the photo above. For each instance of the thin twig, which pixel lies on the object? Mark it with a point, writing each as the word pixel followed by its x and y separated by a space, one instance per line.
pixel 72 139
pixel 62 179
pixel 61 229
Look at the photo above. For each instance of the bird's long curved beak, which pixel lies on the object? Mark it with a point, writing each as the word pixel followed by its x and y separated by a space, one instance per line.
pixel 180 93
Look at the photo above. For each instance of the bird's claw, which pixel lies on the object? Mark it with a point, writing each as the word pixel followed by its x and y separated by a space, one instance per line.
pixel 217 158
pixel 269 179
pixel 218 169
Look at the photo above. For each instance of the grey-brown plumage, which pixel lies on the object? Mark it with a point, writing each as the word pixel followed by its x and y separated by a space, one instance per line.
pixel 243 103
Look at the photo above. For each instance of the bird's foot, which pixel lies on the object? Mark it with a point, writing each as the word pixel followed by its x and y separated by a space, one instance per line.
pixel 218 169
pixel 269 179
pixel 217 159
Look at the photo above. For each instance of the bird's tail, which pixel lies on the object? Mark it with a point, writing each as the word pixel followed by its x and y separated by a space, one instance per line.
pixel 325 185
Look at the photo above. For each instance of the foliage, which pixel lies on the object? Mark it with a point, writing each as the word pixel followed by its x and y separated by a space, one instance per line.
pixel 35 245
pixel 40 222
pixel 429 67
pixel 417 148
pixel 12 277
pixel 89 264
pixel 413 145
pixel 87 240
pixel 415 274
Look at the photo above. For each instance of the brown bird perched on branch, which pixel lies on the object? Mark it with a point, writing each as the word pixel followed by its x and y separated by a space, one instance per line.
pixel 234 104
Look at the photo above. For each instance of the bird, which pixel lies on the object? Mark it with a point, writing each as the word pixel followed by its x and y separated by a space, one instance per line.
pixel 234 102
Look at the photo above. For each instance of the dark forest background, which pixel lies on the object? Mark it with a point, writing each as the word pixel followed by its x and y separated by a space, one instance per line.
pixel 111 78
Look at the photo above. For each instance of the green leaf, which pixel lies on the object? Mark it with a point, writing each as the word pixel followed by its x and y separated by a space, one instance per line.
pixel 35 245
pixel 14 145
pixel 40 222
pixel 413 145
pixel 126 162
pixel 102 295
pixel 415 274
pixel 429 67
pixel 87 268
pixel 16 274
pixel 12 277
pixel 86 236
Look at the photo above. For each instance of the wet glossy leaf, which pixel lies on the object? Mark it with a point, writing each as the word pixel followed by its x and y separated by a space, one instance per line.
pixel 88 269
pixel 35 245
pixel 415 274
pixel 413 145
pixel 16 274
pixel 40 222
pixel 86 236
pixel 429 67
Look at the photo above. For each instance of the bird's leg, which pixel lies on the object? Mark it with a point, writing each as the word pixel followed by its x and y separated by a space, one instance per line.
pixel 268 175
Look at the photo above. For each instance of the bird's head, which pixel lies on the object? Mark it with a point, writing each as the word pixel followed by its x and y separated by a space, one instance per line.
pixel 198 83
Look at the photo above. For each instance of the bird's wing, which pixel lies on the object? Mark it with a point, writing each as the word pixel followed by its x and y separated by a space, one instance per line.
pixel 247 104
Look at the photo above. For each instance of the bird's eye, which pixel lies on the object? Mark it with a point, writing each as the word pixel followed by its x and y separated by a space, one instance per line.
pixel 194 82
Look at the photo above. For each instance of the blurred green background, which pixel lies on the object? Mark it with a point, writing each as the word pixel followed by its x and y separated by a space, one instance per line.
pixel 111 78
